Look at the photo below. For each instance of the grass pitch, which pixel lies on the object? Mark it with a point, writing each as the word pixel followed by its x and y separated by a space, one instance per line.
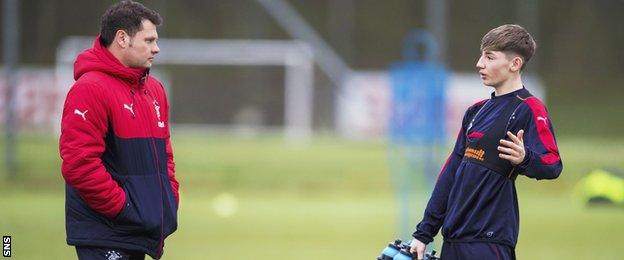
pixel 330 200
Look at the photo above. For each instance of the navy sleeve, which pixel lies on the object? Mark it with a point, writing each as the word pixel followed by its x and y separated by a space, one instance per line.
pixel 436 208
pixel 542 160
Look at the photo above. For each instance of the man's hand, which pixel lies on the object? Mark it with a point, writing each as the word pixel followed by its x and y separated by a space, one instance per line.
pixel 418 247
pixel 513 150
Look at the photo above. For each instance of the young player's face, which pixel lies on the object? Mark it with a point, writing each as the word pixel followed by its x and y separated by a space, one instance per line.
pixel 143 46
pixel 495 67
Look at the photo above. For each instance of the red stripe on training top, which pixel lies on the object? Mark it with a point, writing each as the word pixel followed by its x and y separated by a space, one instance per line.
pixel 540 117
pixel 481 102
pixel 461 132
pixel 477 135
pixel 445 164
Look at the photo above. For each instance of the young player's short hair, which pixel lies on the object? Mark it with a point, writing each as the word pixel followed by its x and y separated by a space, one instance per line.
pixel 125 15
pixel 511 39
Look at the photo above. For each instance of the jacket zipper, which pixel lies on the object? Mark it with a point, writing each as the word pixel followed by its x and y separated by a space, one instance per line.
pixel 157 162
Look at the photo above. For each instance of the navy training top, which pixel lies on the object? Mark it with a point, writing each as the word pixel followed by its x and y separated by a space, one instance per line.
pixel 473 203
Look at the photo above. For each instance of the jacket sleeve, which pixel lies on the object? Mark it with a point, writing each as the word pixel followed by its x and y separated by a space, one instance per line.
pixel 542 160
pixel 175 185
pixel 84 126
pixel 436 208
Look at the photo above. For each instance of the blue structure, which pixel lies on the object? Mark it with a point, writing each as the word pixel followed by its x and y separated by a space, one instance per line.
pixel 416 131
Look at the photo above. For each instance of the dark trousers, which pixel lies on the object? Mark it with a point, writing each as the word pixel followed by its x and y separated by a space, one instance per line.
pixel 99 253
pixel 476 251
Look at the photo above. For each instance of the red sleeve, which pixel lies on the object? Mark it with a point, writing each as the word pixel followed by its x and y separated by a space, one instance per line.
pixel 83 129
pixel 175 185
pixel 542 160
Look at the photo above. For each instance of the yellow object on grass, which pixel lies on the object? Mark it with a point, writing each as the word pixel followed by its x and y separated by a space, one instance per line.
pixel 601 185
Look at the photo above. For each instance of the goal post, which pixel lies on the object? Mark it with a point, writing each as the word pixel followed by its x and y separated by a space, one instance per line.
pixel 296 57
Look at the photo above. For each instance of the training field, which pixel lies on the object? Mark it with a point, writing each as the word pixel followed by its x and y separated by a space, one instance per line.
pixel 259 198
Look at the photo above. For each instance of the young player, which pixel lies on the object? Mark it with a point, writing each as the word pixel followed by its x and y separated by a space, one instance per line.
pixel 474 200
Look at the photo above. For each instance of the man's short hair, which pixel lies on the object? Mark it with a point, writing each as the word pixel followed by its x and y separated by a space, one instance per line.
pixel 510 38
pixel 125 15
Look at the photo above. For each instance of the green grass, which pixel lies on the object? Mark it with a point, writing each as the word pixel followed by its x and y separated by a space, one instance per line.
pixel 330 200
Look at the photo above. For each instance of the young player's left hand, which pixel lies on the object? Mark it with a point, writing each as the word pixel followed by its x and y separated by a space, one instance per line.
pixel 513 150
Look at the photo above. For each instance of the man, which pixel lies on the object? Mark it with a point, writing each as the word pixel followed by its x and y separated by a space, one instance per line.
pixel 474 200
pixel 121 191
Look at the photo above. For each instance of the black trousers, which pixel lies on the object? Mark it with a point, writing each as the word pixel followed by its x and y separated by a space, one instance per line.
pixel 99 253
pixel 476 251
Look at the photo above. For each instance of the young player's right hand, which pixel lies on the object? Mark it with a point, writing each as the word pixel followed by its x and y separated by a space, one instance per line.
pixel 418 248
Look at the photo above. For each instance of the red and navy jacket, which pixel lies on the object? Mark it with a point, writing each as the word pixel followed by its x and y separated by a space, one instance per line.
pixel 471 202
pixel 121 190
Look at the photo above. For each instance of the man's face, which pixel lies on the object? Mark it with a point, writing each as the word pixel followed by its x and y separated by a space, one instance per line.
pixel 143 47
pixel 495 67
